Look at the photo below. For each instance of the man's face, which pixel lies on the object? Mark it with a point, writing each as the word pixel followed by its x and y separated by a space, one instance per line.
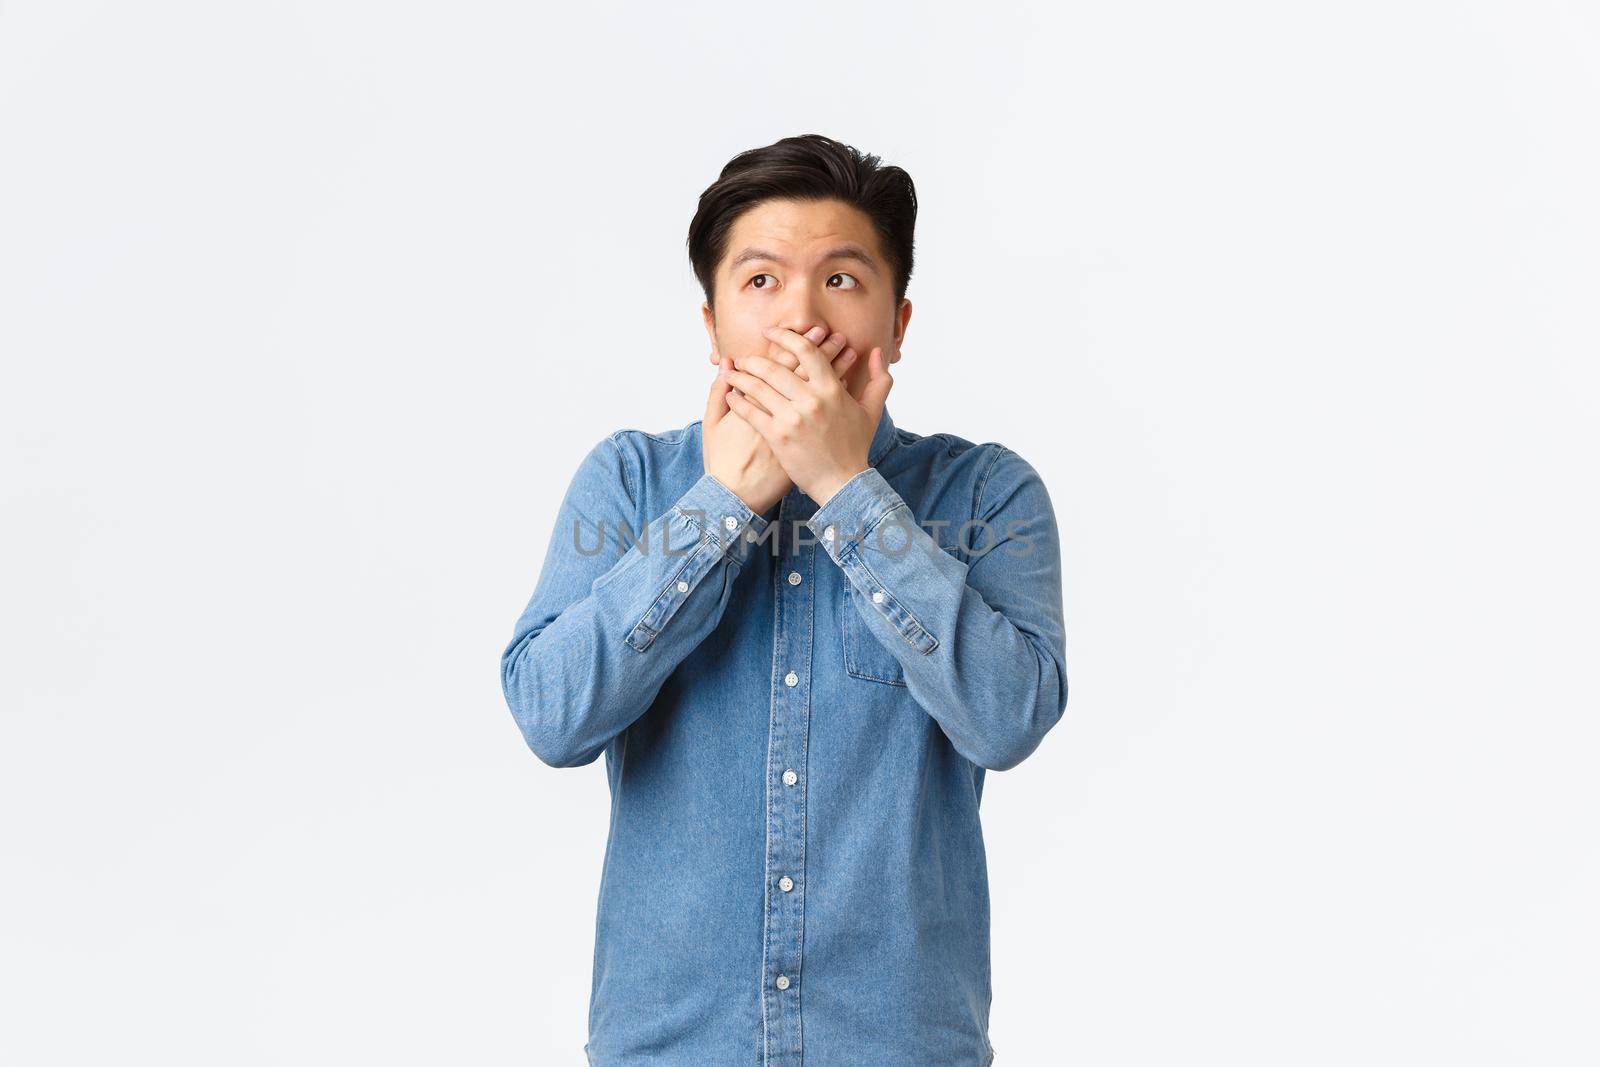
pixel 799 264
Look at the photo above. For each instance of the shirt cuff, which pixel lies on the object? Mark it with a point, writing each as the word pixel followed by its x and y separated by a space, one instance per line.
pixel 723 518
pixel 850 513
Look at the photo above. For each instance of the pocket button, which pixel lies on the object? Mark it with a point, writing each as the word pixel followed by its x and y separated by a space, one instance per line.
pixel 864 655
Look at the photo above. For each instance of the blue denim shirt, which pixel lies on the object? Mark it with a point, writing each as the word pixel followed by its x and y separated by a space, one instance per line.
pixel 797 710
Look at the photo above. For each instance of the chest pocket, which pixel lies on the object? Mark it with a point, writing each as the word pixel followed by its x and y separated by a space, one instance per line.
pixel 866 657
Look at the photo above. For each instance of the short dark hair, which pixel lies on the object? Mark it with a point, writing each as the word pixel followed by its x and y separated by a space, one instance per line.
pixel 806 167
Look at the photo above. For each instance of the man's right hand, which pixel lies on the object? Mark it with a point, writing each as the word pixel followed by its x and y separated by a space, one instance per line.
pixel 739 457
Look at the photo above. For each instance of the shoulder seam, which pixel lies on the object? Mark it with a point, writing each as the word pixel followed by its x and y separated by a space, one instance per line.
pixel 627 479
pixel 1000 451
pixel 663 436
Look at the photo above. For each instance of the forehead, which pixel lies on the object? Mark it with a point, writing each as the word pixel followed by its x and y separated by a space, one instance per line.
pixel 801 228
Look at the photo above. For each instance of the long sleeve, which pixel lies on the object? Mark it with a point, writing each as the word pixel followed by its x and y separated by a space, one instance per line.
pixel 616 609
pixel 982 645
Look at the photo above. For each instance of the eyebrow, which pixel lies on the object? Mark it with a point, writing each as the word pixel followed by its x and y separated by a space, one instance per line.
pixel 855 252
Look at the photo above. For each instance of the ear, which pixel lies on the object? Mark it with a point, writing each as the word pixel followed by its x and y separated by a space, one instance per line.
pixel 711 331
pixel 902 319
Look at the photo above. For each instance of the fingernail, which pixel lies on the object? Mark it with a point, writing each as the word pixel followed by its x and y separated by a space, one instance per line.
pixel 815 334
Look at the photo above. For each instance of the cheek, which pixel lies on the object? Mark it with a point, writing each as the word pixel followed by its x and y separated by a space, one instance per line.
pixel 865 329
pixel 737 337
pixel 741 332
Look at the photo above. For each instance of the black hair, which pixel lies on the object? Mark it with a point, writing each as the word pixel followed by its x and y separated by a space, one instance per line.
pixel 806 167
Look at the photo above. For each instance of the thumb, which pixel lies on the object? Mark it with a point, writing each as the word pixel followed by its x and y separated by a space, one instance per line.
pixel 878 384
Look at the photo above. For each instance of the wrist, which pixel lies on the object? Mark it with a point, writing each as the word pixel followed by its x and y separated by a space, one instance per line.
pixel 824 492
pixel 757 498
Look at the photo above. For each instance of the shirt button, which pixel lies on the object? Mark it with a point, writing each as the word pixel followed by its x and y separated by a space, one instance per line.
pixel 749 535
pixel 790 778
pixel 791 679
pixel 729 522
pixel 794 577
pixel 827 533
pixel 782 982
pixel 785 883
pixel 877 596
pixel 683 587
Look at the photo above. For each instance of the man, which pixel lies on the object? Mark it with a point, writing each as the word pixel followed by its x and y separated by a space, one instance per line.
pixel 801 635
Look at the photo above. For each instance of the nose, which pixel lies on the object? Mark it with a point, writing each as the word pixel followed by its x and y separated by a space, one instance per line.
pixel 801 313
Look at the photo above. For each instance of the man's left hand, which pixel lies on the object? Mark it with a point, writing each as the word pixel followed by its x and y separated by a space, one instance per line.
pixel 819 433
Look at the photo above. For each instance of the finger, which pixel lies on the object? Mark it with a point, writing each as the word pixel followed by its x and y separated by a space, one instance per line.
pixel 835 348
pixel 758 419
pixel 789 359
pixel 717 399
pixel 829 343
pixel 832 347
pixel 732 415
pixel 781 378
pixel 756 389
pixel 818 369
pixel 733 391
pixel 842 366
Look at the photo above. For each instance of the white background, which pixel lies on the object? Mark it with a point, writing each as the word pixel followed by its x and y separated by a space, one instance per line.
pixel 308 312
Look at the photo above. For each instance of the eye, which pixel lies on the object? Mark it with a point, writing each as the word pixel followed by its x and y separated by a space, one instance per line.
pixel 759 276
pixel 853 282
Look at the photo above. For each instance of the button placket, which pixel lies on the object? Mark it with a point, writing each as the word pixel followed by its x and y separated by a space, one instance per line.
pixel 788 729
